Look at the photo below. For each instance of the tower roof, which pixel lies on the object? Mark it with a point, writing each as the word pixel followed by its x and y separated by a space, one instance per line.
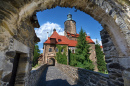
pixel 69 17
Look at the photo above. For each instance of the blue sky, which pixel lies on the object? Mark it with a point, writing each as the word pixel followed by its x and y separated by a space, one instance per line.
pixel 55 18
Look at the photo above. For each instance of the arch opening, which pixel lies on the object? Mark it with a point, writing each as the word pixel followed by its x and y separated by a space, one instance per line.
pixel 114 21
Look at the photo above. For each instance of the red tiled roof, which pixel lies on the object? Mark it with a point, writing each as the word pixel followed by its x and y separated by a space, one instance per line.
pixel 65 40
pixel 89 39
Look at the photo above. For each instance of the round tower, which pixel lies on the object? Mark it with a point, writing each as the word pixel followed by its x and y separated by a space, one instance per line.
pixel 70 25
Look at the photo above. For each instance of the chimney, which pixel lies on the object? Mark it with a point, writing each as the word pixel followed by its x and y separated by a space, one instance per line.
pixel 47 35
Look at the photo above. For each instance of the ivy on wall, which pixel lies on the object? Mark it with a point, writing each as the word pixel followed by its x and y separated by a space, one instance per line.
pixel 61 56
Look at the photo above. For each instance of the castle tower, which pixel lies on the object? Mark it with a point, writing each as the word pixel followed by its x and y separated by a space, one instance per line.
pixel 70 25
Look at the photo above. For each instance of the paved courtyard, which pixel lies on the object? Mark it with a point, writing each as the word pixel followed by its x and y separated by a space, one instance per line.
pixel 52 76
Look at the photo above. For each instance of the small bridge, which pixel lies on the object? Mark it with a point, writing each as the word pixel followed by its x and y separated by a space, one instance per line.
pixel 65 75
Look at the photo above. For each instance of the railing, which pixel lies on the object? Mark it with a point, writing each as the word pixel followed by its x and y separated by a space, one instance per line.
pixel 36 74
pixel 84 77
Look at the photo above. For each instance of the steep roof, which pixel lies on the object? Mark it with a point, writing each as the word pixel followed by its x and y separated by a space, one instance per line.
pixel 89 39
pixel 77 35
pixel 64 40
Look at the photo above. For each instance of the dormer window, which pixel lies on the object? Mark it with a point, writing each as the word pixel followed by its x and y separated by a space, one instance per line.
pixel 59 40
pixel 53 40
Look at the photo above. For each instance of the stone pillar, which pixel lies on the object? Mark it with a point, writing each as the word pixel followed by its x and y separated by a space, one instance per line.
pixel 118 67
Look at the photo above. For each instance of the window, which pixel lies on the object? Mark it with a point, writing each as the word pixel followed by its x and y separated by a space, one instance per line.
pixel 72 51
pixel 62 50
pixel 59 40
pixel 56 49
pixel 50 49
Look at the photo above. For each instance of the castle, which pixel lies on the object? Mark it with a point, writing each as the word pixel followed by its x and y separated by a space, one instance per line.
pixel 69 39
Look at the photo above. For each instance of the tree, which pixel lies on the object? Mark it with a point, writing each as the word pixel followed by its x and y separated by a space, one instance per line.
pixel 82 52
pixel 36 54
pixel 100 58
pixel 61 54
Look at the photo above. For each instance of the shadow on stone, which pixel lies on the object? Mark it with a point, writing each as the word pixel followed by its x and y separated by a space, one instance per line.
pixel 58 82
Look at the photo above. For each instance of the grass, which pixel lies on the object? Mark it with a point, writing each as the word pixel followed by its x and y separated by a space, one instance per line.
pixel 37 65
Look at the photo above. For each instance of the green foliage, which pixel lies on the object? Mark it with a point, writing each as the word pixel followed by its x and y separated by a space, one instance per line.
pixel 61 56
pixel 37 65
pixel 81 57
pixel 100 58
pixel 36 55
pixel 72 59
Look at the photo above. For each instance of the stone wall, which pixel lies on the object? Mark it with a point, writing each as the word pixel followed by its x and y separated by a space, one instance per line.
pixel 84 77
pixel 35 75
pixel 70 26
pixel 21 41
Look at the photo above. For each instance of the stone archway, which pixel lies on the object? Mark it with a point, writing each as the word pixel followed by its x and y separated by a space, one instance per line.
pixel 18 17
pixel 51 62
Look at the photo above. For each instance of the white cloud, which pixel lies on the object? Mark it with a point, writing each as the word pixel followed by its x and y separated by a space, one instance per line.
pixel 48 27
pixel 100 42
pixel 41 49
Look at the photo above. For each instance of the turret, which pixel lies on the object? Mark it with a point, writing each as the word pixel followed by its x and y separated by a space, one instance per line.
pixel 70 25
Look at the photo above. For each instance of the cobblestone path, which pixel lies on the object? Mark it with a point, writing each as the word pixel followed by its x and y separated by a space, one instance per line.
pixel 52 76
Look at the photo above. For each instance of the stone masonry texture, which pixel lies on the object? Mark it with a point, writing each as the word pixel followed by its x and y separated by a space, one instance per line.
pixel 35 75
pixel 84 77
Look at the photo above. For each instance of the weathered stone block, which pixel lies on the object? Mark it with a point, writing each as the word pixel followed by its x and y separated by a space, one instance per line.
pixel 7 77
pixel 11 53
pixel 114 65
pixel 93 81
pixel 108 60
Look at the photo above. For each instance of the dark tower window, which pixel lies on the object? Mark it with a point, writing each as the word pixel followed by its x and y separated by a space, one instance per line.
pixel 50 49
